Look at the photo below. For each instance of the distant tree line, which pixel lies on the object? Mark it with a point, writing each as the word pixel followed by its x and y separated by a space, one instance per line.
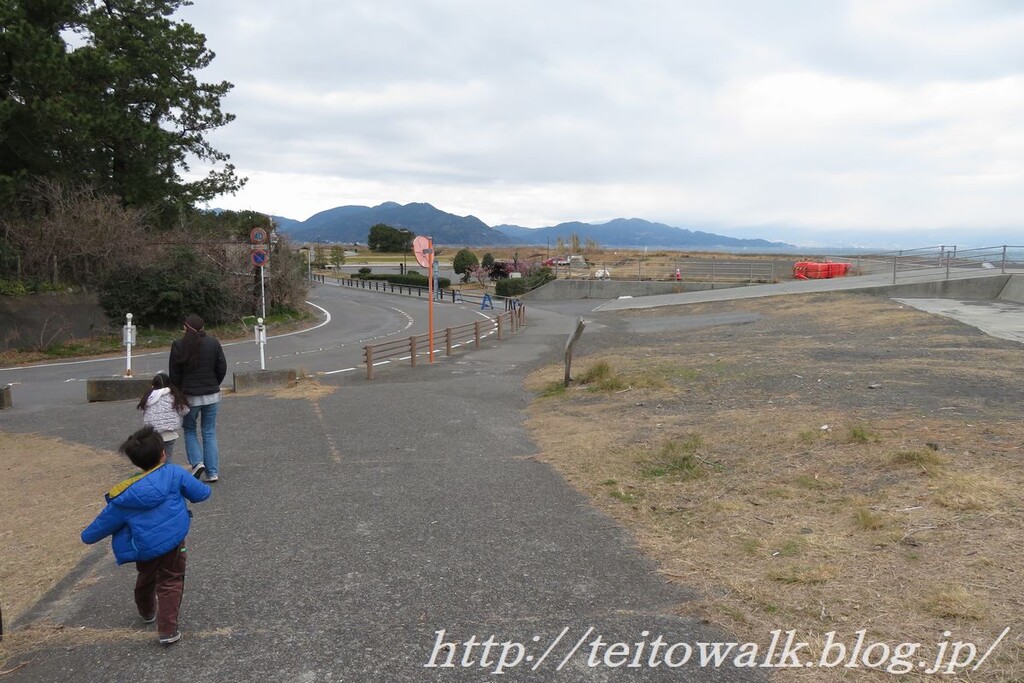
pixel 384 238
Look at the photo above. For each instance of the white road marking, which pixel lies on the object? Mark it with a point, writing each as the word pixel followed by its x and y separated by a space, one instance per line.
pixel 160 353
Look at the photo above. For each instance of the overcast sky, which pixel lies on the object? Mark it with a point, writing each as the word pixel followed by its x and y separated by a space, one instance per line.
pixel 797 120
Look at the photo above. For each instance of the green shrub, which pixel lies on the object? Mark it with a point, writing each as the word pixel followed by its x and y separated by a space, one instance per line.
pixel 165 292
pixel 510 287
pixel 13 288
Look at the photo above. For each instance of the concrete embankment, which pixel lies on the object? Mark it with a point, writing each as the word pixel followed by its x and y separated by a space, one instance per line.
pixel 560 290
pixel 1014 290
pixel 979 288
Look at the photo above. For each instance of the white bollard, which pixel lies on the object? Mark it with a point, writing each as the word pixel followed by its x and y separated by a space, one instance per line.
pixel 261 339
pixel 129 340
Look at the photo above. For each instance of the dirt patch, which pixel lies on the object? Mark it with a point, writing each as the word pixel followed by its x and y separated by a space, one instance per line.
pixel 50 491
pixel 841 463
pixel 306 388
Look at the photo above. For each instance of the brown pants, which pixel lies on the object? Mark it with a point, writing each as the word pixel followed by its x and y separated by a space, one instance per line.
pixel 158 589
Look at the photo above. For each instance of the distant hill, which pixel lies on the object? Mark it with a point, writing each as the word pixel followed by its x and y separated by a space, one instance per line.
pixel 353 223
pixel 285 224
pixel 632 232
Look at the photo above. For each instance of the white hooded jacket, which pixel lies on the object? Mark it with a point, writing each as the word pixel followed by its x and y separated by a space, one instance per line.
pixel 161 415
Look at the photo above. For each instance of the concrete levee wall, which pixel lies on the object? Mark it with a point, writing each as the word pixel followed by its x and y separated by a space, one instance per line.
pixel 981 288
pixel 613 289
pixel 1014 290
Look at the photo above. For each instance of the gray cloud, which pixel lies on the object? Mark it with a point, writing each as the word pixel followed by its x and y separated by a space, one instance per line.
pixel 886 115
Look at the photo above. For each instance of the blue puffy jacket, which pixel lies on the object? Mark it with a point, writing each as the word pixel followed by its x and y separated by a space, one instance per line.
pixel 146 514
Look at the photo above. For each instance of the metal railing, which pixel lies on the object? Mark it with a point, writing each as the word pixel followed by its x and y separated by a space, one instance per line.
pixel 455 296
pixel 452 337
pixel 943 261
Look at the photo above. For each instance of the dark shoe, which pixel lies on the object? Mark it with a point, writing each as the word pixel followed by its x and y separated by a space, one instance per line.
pixel 197 470
pixel 150 619
pixel 170 640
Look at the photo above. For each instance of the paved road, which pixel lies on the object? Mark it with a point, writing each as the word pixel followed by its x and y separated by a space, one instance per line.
pixel 348 531
pixel 1004 319
pixel 351 319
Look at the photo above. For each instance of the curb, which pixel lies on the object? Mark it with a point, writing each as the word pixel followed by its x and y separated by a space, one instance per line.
pixel 265 378
pixel 116 388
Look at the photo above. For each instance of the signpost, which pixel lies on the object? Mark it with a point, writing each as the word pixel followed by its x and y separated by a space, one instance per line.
pixel 423 247
pixel 260 258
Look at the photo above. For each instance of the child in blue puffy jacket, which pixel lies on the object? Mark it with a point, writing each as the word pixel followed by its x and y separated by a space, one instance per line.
pixel 149 520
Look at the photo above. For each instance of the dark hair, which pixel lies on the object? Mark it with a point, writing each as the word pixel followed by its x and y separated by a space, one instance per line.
pixel 162 380
pixel 144 448
pixel 193 335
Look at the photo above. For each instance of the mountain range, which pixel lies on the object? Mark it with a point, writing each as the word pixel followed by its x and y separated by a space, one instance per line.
pixel 350 224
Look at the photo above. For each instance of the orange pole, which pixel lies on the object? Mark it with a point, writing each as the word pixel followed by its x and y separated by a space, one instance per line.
pixel 430 291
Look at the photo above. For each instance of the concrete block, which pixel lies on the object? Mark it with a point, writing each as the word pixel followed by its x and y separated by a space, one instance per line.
pixel 265 378
pixel 116 388
pixel 6 399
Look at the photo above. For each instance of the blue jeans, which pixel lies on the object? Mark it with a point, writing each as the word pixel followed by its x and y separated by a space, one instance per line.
pixel 206 453
pixel 169 448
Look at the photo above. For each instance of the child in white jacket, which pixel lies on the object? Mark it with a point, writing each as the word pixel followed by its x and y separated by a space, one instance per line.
pixel 163 406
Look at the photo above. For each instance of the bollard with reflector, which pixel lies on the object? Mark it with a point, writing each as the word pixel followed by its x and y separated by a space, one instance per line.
pixel 129 340
pixel 261 339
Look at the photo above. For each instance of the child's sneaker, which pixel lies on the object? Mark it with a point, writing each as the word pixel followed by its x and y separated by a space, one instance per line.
pixel 198 469
pixel 150 619
pixel 170 640
pixel 212 477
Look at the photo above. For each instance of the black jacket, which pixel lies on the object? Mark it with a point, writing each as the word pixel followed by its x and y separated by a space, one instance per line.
pixel 206 376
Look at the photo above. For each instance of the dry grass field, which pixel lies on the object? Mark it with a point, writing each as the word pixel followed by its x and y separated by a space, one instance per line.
pixel 841 463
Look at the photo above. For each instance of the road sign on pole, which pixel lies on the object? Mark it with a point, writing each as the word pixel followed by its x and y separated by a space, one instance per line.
pixel 423 248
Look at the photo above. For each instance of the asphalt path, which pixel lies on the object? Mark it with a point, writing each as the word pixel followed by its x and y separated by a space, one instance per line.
pixel 384 532
pixel 350 319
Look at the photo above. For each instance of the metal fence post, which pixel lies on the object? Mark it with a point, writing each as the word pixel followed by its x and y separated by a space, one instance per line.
pixel 368 351
pixel 498 319
pixel 1002 266
pixel 476 334
pixel 448 341
pixel 412 350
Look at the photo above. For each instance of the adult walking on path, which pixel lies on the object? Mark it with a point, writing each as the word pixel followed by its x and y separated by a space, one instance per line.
pixel 197 365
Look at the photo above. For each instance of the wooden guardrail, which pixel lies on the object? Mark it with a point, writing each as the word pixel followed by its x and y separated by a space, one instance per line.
pixel 411 347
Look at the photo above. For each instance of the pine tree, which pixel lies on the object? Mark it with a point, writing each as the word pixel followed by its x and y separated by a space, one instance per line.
pixel 118 108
